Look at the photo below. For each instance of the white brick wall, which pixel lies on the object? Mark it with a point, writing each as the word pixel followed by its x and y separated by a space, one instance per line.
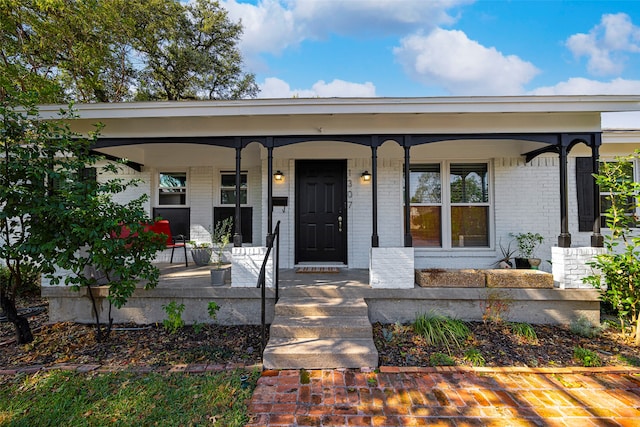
pixel 200 191
pixel 126 173
pixel 570 266
pixel 525 198
pixel 392 268
pixel 359 213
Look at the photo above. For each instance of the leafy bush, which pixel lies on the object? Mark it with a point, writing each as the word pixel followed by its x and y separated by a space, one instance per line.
pixel 617 272
pixel 587 357
pixel 30 279
pixel 440 330
pixel 174 320
pixel 212 309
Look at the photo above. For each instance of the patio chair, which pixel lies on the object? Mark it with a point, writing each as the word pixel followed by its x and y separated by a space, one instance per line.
pixel 173 242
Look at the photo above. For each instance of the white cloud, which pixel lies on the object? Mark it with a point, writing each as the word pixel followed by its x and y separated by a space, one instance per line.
pixel 606 44
pixel 275 88
pixel 582 86
pixel 374 16
pixel 274 25
pixel 267 26
pixel 462 66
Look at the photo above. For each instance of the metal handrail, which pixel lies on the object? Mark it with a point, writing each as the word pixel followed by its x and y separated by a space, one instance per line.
pixel 275 236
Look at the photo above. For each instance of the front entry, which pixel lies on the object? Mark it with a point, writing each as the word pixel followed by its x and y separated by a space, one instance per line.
pixel 321 217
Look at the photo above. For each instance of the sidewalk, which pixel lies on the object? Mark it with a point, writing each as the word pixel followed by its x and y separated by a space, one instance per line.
pixel 448 397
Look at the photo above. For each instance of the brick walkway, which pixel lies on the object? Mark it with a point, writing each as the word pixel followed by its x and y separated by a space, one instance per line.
pixel 448 397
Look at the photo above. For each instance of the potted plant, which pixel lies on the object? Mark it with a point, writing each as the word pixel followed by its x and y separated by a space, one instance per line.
pixel 527 245
pixel 220 238
pixel 507 254
pixel 201 252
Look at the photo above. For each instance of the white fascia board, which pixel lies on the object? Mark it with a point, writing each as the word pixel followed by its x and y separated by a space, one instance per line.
pixel 621 120
pixel 621 137
pixel 346 106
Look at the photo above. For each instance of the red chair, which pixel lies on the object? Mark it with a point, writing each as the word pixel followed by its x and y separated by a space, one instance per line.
pixel 162 227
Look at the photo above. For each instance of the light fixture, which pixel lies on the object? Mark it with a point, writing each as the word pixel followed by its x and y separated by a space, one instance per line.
pixel 278 176
pixel 366 176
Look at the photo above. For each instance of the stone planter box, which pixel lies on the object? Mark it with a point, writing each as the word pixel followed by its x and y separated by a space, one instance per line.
pixel 450 278
pixel 519 279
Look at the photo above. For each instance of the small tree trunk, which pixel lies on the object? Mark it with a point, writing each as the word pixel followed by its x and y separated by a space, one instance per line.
pixel 638 331
pixel 23 330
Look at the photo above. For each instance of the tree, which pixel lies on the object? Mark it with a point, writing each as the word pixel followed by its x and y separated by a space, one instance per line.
pixel 67 50
pixel 113 50
pixel 618 270
pixel 54 215
pixel 195 57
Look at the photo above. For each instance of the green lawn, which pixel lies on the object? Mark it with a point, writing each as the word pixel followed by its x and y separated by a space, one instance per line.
pixel 59 398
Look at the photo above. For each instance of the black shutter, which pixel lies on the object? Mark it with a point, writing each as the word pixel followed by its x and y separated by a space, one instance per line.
pixel 584 189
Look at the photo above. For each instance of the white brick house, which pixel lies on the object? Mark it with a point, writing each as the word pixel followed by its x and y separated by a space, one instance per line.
pixel 510 149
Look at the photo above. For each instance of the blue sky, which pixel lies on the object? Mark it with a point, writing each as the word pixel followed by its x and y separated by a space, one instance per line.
pixel 398 48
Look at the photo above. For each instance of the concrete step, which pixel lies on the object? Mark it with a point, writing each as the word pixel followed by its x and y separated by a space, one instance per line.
pixel 299 307
pixel 321 327
pixel 316 353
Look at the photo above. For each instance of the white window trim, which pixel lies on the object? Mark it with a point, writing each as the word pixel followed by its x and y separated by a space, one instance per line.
pixel 445 206
pixel 157 187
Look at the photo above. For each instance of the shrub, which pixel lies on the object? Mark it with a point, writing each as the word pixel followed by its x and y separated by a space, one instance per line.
pixel 583 327
pixel 496 306
pixel 440 330
pixel 212 309
pixel 587 357
pixel 174 321
pixel 30 279
pixel 617 272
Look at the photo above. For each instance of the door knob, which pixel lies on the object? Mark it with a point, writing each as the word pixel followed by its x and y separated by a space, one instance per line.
pixel 340 223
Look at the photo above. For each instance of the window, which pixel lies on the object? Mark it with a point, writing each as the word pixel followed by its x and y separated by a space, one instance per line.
pixel 228 188
pixel 450 200
pixel 606 196
pixel 172 188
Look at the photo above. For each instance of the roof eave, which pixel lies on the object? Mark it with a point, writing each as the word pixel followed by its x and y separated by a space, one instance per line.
pixel 323 106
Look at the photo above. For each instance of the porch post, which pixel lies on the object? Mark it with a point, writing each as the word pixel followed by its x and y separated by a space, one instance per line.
pixel 375 240
pixel 564 239
pixel 408 241
pixel 597 241
pixel 269 190
pixel 237 237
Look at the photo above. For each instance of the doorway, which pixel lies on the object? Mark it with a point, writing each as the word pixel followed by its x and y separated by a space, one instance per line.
pixel 321 215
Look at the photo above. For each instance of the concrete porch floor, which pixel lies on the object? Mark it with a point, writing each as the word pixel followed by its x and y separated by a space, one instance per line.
pixel 177 275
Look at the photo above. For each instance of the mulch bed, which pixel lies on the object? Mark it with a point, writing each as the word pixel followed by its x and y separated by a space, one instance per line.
pixel 499 346
pixel 398 345
pixel 129 344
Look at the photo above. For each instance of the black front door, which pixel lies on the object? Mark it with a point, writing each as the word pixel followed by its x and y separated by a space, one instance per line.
pixel 321 217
